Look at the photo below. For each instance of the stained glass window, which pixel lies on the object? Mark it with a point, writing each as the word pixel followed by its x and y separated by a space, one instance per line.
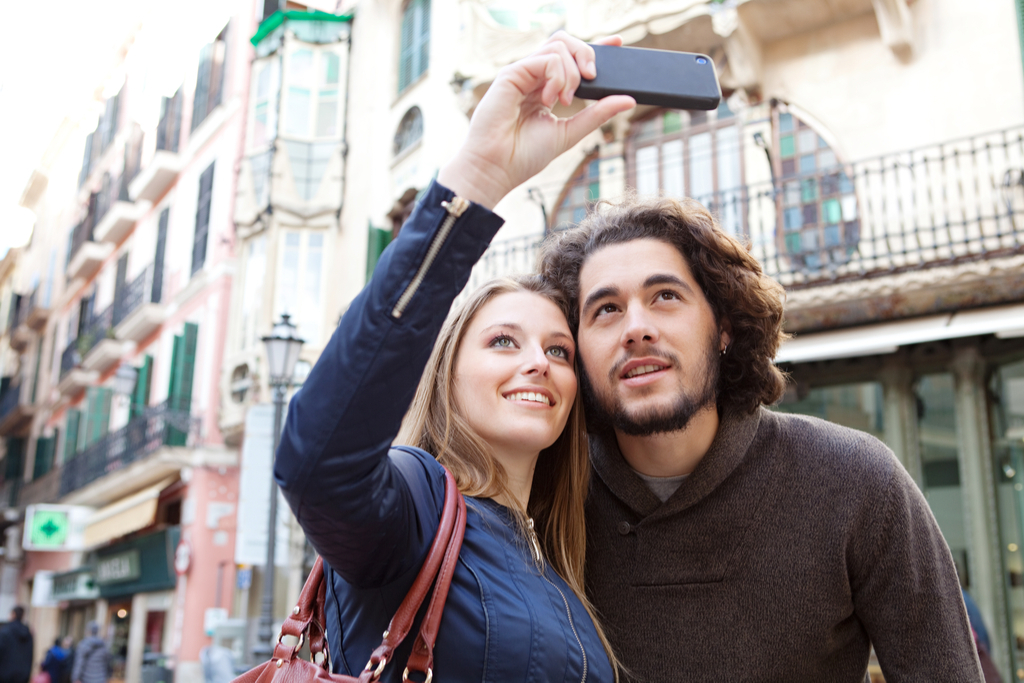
pixel 817 204
pixel 583 189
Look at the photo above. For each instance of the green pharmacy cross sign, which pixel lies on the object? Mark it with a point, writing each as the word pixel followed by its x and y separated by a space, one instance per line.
pixel 49 528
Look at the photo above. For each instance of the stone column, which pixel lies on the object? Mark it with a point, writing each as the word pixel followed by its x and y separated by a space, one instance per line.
pixel 978 485
pixel 901 416
pixel 136 639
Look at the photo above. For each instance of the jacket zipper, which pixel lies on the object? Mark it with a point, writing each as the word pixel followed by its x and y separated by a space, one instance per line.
pixel 455 208
pixel 573 627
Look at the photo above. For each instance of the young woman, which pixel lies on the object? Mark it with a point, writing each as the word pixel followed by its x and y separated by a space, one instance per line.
pixel 493 406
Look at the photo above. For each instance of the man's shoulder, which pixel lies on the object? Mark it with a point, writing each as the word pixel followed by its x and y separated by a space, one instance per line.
pixel 824 448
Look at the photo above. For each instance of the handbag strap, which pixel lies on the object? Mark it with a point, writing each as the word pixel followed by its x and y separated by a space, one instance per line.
pixel 402 622
pixel 309 611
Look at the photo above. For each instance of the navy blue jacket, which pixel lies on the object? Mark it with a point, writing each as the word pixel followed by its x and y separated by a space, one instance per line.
pixel 371 510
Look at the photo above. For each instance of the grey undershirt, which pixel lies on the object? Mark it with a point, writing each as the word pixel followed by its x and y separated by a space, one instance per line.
pixel 663 487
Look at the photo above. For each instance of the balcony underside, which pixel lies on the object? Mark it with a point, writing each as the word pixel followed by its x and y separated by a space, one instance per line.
pixel 117 222
pixel 20 337
pixel 37 318
pixel 104 354
pixel 141 322
pixel 153 180
pixel 17 421
pixel 76 380
pixel 88 260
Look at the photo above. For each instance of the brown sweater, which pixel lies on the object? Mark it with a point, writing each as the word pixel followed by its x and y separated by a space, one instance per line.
pixel 793 546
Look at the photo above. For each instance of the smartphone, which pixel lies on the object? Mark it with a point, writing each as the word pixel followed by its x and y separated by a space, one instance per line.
pixel 677 80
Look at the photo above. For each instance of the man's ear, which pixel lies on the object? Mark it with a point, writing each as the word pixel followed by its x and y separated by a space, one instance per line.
pixel 725 335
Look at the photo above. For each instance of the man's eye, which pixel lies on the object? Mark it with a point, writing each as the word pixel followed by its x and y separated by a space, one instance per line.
pixel 668 296
pixel 607 308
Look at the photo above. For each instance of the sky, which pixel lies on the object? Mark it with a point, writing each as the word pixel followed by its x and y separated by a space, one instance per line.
pixel 54 57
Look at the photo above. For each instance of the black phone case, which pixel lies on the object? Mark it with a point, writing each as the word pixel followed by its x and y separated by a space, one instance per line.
pixel 677 80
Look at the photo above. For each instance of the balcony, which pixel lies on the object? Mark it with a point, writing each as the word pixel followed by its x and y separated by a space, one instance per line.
pixel 116 214
pixel 138 313
pixel 73 378
pixel 947 204
pixel 156 177
pixel 85 255
pixel 20 333
pixel 133 450
pixel 35 314
pixel 15 416
pixel 96 343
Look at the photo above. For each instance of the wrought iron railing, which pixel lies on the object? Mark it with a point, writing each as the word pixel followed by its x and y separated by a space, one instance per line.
pixel 70 358
pixel 81 234
pixel 100 327
pixel 134 294
pixel 9 400
pixel 955 201
pixel 156 427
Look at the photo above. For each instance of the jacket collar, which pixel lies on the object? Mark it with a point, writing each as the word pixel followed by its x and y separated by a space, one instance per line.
pixel 730 446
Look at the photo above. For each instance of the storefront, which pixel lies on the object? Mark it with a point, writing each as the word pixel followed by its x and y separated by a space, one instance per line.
pixel 76 593
pixel 953 412
pixel 136 579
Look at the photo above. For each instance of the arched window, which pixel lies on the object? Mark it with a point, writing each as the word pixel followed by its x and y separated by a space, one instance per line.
pixel 583 188
pixel 410 130
pixel 817 204
pixel 694 154
pixel 414 54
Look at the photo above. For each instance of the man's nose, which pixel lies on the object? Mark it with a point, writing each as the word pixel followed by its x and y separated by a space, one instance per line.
pixel 638 327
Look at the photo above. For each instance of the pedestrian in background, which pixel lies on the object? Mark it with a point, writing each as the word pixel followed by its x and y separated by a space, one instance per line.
pixel 92 658
pixel 57 663
pixel 15 649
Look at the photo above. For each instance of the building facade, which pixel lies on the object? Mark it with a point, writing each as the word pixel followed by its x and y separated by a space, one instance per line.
pixel 874 169
pixel 121 491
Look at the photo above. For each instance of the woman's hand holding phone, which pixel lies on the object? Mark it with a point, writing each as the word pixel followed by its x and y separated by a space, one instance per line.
pixel 514 135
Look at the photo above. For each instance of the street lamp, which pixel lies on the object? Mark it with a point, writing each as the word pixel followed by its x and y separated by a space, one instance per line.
pixel 282 354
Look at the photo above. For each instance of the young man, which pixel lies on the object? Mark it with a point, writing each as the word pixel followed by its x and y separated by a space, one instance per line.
pixel 727 542
pixel 15 649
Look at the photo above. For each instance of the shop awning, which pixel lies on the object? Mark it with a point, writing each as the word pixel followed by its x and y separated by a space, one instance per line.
pixel 129 514
pixel 883 338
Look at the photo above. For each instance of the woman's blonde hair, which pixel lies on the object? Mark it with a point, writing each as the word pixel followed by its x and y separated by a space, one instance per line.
pixel 561 478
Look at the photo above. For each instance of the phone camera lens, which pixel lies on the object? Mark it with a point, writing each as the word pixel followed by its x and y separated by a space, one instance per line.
pixel 702 60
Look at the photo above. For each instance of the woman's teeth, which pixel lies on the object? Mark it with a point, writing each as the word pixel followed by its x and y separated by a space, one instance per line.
pixel 529 396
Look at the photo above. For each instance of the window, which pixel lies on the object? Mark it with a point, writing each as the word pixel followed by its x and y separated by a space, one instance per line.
pixel 209 79
pixel 264 127
pixel 582 189
pixel 309 164
pixel 240 383
pixel 410 131
pixel 691 154
pixel 169 129
pixel 299 281
pixel 252 293
pixel 312 104
pixel 414 54
pixel 97 142
pixel 202 219
pixel 817 204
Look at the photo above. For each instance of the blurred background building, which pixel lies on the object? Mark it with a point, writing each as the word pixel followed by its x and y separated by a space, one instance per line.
pixel 871 152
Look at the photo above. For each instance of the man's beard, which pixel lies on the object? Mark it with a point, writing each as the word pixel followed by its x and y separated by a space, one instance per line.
pixel 607 412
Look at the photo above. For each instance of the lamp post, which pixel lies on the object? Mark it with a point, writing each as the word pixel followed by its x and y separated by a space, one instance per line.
pixel 282 354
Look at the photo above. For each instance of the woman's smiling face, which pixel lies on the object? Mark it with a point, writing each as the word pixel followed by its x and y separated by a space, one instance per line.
pixel 514 376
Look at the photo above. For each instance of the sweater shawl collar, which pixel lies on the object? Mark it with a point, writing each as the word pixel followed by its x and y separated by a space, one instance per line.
pixel 735 434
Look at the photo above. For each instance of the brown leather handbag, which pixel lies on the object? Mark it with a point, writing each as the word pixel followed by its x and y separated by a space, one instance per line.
pixel 307 620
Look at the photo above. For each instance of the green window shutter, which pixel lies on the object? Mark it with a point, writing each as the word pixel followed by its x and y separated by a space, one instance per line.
pixel 45 448
pixel 183 364
pixel 97 417
pixel 423 39
pixel 376 243
pixel 15 468
pixel 406 52
pixel 71 434
pixel 140 397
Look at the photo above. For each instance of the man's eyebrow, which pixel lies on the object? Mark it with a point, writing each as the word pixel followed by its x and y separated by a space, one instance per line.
pixel 598 294
pixel 667 279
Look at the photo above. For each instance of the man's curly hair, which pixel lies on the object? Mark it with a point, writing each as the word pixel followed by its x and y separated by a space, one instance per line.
pixel 731 279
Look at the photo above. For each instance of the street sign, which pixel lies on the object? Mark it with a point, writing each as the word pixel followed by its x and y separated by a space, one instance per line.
pixel 243 578
pixel 55 528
